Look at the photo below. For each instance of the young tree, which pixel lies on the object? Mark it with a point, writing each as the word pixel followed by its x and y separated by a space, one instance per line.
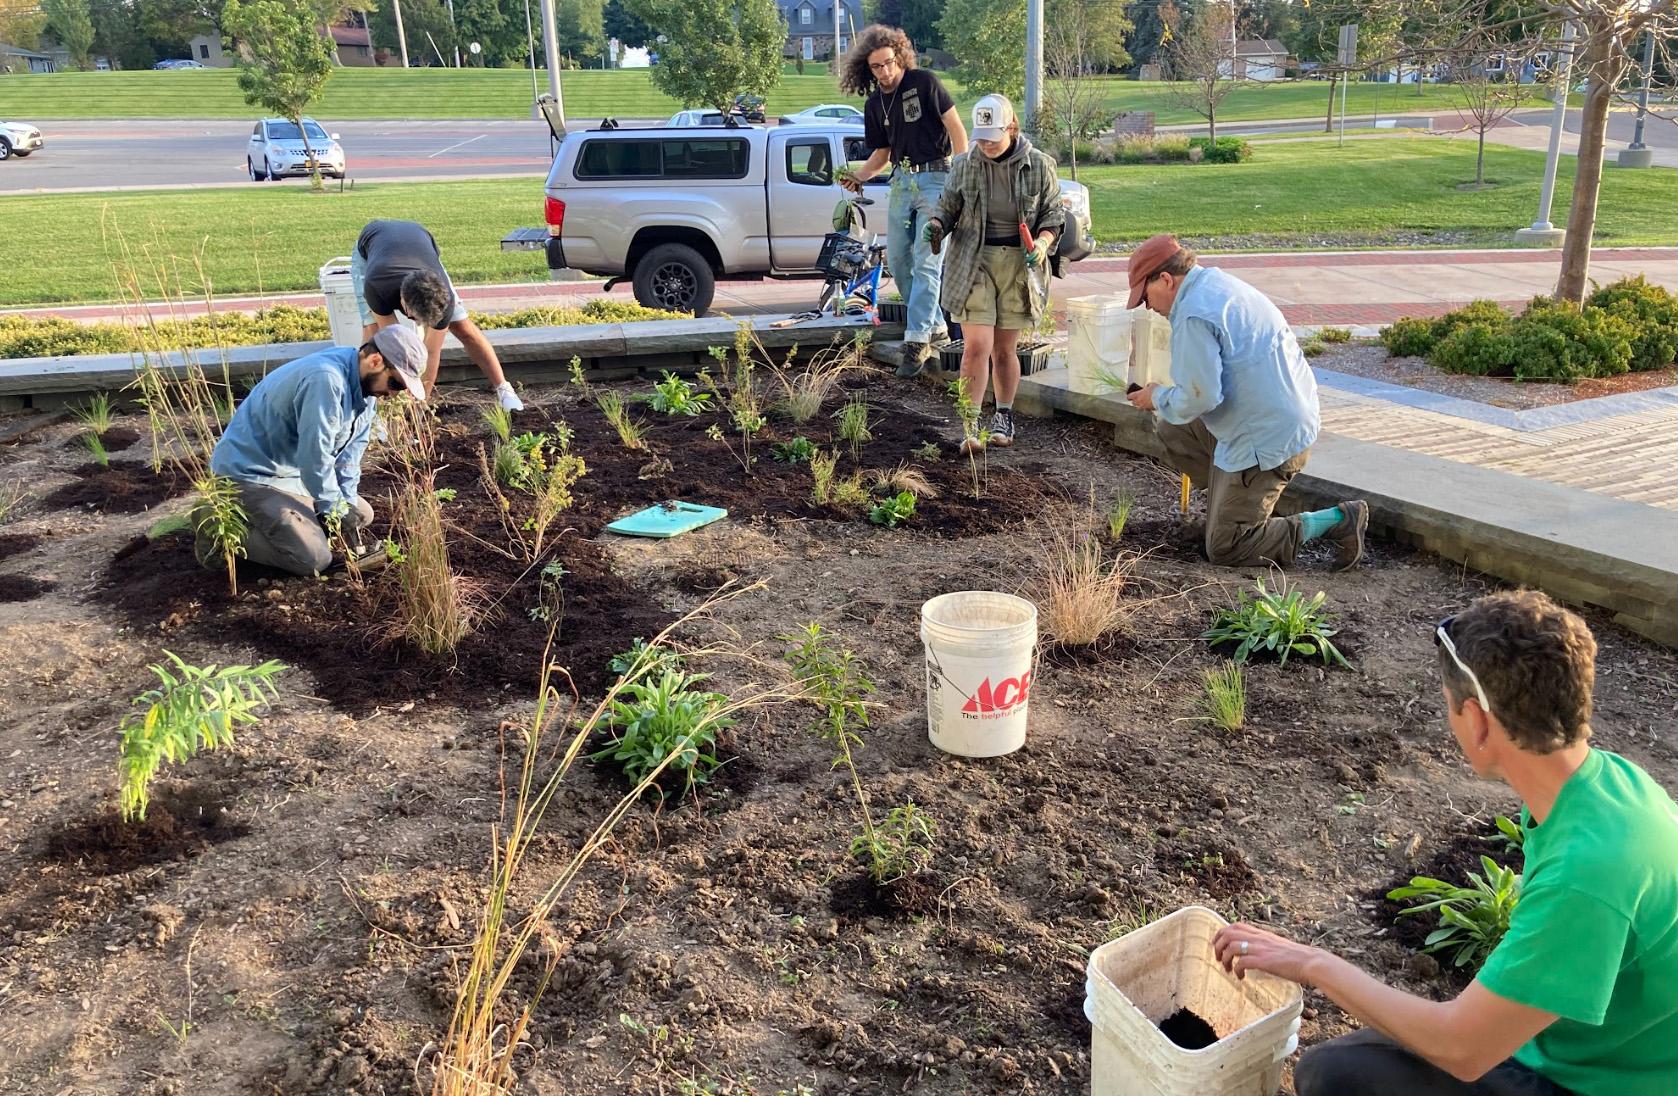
pixel 284 59
pixel 988 38
pixel 70 23
pixel 1203 64
pixel 1485 101
pixel 715 49
pixel 1081 38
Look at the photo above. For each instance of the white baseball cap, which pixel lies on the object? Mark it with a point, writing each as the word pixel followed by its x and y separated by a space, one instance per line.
pixel 991 117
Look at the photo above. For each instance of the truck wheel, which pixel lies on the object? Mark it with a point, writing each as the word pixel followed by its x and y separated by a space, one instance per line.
pixel 674 277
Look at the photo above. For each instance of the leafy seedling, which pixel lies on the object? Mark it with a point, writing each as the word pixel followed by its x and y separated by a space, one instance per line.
pixel 1472 919
pixel 1283 622
pixel 799 450
pixel 644 656
pixel 666 722
pixel 900 845
pixel 893 511
pixel 674 396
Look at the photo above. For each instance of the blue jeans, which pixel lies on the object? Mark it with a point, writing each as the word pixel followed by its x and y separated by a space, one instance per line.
pixel 915 269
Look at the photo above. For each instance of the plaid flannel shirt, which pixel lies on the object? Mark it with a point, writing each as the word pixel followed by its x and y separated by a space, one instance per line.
pixel 961 211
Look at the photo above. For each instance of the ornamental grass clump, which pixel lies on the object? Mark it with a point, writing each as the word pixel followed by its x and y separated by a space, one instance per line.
pixel 435 605
pixel 1080 598
pixel 1225 702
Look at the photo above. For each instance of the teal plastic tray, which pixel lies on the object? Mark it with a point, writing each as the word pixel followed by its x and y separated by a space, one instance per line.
pixel 667 519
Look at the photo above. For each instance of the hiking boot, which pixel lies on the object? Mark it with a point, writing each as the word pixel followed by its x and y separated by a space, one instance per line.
pixel 915 355
pixel 507 398
pixel 1002 429
pixel 1348 533
pixel 971 445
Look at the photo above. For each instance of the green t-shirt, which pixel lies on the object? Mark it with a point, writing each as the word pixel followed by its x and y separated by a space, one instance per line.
pixel 1595 936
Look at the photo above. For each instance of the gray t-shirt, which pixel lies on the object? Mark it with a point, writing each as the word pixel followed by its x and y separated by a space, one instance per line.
pixel 393 250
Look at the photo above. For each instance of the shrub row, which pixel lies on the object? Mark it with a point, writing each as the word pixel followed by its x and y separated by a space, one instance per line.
pixel 1161 150
pixel 1627 326
pixel 28 337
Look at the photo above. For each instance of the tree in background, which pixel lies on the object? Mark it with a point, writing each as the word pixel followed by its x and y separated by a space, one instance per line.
pixel 425 22
pixel 69 22
pixel 617 21
pixel 1485 101
pixel 580 25
pixel 917 18
pixel 1201 63
pixel 988 38
pixel 715 49
pixel 1316 37
pixel 1153 25
pixel 1081 38
pixel 497 29
pixel 284 60
pixel 21 23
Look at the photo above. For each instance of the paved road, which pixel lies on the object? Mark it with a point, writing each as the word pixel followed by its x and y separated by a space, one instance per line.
pixel 1659 132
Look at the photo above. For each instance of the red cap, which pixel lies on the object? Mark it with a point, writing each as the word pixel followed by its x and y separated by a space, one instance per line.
pixel 1147 260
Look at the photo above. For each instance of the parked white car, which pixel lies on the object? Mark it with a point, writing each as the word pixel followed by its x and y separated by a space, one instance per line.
pixel 276 150
pixel 19 139
pixel 843 113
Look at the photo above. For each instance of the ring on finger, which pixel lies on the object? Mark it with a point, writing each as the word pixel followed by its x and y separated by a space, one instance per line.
pixel 1244 947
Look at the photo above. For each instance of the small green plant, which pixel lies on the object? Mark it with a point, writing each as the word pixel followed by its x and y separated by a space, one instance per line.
pixel 1225 701
pixel 666 722
pixel 929 451
pixel 674 396
pixel 395 555
pixel 96 416
pixel 500 423
pixel 892 512
pixel 1514 838
pixel 853 425
pixel 550 593
pixel 968 412
pixel 640 651
pixel 1118 513
pixel 1335 334
pixel 629 431
pixel 828 489
pixel 96 448
pixel 1472 919
pixel 1283 622
pixel 899 846
pixel 446 494
pixel 799 450
pixel 1313 348
pixel 219 524
pixel 192 708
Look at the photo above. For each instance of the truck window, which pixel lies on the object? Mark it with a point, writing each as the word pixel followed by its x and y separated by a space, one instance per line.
pixel 619 159
pixel 810 163
pixel 705 158
pixel 856 150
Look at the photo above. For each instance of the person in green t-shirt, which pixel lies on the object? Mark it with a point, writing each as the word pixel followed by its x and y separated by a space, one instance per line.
pixel 1581 996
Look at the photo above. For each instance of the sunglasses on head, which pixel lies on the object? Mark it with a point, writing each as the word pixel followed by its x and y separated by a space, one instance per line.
pixel 1442 638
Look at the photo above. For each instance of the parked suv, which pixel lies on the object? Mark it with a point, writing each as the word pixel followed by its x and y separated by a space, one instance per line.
pixel 673 210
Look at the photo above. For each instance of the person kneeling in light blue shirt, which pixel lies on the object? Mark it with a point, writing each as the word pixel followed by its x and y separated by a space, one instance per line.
pixel 1240 415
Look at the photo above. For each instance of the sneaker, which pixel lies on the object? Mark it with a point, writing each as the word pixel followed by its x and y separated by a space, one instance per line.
pixel 507 398
pixel 1348 533
pixel 1002 429
pixel 914 359
pixel 970 445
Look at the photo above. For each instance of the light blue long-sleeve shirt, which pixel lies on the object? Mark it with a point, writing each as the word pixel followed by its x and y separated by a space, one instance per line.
pixel 303 429
pixel 1237 367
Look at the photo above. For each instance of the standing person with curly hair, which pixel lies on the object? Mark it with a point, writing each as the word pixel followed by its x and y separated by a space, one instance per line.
pixel 1002 214
pixel 910 123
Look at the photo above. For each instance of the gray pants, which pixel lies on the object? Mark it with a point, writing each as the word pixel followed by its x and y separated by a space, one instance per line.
pixel 282 531
pixel 1367 1063
pixel 1241 530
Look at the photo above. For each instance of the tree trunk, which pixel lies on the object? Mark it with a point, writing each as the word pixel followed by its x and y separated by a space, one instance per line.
pixel 1328 119
pixel 1480 161
pixel 1211 126
pixel 1604 73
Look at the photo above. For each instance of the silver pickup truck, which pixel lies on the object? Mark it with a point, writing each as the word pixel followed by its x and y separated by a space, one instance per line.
pixel 673 210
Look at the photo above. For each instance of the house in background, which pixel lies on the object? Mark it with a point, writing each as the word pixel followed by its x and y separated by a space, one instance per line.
pixel 1258 59
pixel 207 50
pixel 353 43
pixel 810 26
pixel 16 59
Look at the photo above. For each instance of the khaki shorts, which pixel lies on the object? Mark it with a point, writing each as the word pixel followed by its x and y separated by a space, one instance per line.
pixel 999 297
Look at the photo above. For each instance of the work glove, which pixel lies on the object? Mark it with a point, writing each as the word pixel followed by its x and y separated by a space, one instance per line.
pixel 1039 253
pixel 935 235
pixel 346 525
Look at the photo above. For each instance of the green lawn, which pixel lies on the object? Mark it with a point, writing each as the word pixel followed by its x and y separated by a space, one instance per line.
pixel 505 93
pixel 276 238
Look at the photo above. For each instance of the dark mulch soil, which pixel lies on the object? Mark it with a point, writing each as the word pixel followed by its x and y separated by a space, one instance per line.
pixel 15 544
pixel 116 439
pixel 1451 863
pixel 340 630
pixel 178 824
pixel 23 588
pixel 123 488
pixel 1188 1030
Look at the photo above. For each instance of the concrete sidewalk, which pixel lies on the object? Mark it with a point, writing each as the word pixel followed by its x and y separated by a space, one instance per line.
pixel 1341 288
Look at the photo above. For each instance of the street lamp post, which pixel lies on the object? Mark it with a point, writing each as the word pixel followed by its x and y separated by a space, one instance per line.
pixel 1033 63
pixel 1542 231
pixel 550 46
pixel 1638 154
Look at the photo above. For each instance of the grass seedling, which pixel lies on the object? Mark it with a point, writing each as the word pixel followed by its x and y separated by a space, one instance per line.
pixel 191 709
pixel 219 524
pixel 96 416
pixel 808 389
pixel 904 478
pixel 666 724
pixel 1225 701
pixel 96 448
pixel 629 431
pixel 1283 622
pixel 1118 514
pixel 799 450
pixel 893 511
pixel 853 425
pixel 1472 919
pixel 828 489
pixel 500 423
pixel 1081 599
pixel 674 396
pixel 968 412
pixel 12 496
pixel 434 607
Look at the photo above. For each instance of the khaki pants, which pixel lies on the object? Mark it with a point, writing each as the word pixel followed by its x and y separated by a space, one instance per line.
pixel 282 531
pixel 1240 528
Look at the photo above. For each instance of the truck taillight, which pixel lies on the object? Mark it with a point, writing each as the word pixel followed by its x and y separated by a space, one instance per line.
pixel 555 211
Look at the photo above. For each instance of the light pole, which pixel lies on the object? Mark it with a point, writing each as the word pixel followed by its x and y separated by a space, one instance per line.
pixel 550 46
pixel 1542 231
pixel 1033 63
pixel 401 35
pixel 456 31
pixel 1638 154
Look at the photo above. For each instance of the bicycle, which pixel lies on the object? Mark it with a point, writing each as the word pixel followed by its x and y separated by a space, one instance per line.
pixel 851 265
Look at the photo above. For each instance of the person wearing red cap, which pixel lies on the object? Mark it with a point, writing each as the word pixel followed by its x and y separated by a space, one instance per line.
pixel 1240 414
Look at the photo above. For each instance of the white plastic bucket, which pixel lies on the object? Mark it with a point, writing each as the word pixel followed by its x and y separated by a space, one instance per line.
pixel 1150 359
pixel 979 660
pixel 1140 979
pixel 343 313
pixel 1097 342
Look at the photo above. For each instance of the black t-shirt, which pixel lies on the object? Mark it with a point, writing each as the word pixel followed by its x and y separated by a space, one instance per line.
pixel 393 250
pixel 909 120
